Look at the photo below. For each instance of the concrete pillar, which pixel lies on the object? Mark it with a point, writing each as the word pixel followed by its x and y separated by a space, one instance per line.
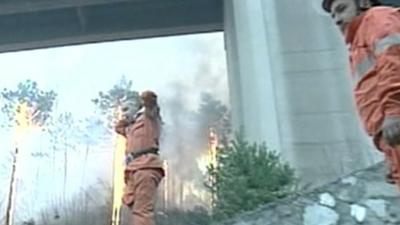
pixel 250 72
pixel 290 86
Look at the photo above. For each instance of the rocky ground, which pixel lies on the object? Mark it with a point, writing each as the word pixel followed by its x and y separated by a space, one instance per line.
pixel 363 197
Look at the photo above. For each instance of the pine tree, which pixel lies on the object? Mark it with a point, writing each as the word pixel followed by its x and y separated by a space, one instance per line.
pixel 39 101
pixel 107 102
pixel 247 176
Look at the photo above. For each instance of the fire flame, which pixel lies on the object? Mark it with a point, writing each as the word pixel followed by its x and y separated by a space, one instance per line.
pixel 166 187
pixel 118 175
pixel 204 161
pixel 24 123
pixel 183 193
pixel 210 158
pixel 207 159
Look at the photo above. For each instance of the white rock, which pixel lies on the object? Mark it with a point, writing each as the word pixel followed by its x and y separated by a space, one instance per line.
pixel 349 180
pixel 327 199
pixel 358 212
pixel 378 206
pixel 319 215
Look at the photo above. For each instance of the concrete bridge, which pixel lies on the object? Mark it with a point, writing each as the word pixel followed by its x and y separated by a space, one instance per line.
pixel 287 65
pixel 29 24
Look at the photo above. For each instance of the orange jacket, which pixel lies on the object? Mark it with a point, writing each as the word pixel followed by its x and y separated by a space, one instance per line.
pixel 144 133
pixel 374 39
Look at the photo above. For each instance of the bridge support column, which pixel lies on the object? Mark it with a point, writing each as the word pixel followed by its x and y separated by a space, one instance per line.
pixel 290 87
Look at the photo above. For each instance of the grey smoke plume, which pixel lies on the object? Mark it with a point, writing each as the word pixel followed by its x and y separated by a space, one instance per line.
pixel 183 139
pixel 180 108
pixel 180 138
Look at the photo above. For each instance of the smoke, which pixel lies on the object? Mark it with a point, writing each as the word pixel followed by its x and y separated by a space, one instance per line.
pixel 180 138
pixel 211 75
pixel 182 141
pixel 182 130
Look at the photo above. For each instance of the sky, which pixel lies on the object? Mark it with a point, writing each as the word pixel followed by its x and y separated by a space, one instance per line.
pixel 84 70
pixel 188 64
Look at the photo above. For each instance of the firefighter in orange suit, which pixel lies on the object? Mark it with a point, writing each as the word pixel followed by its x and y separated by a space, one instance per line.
pixel 372 32
pixel 143 171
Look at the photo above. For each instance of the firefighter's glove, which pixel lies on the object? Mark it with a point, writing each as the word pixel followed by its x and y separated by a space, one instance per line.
pixel 128 113
pixel 391 130
pixel 128 118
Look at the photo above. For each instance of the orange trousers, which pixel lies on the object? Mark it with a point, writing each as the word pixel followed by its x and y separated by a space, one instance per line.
pixel 392 158
pixel 140 194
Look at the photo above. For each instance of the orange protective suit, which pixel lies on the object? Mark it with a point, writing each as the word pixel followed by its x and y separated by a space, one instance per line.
pixel 374 39
pixel 143 174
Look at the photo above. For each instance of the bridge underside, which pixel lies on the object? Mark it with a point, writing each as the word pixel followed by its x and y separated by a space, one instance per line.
pixel 30 24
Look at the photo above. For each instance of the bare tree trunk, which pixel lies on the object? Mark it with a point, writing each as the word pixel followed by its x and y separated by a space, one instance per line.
pixel 54 164
pixel 181 193
pixel 10 211
pixel 173 191
pixel 65 173
pixel 85 162
pixel 65 182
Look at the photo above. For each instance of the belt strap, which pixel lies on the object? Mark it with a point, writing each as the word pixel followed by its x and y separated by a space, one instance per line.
pixel 133 155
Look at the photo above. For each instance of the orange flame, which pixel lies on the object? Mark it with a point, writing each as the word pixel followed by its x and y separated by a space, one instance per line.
pixel 210 158
pixel 118 175
pixel 205 160
pixel 202 163
pixel 166 186
pixel 24 122
pixel 23 119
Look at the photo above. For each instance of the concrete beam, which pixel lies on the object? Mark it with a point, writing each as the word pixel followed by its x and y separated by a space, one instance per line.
pixel 115 36
pixel 119 20
pixel 26 6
